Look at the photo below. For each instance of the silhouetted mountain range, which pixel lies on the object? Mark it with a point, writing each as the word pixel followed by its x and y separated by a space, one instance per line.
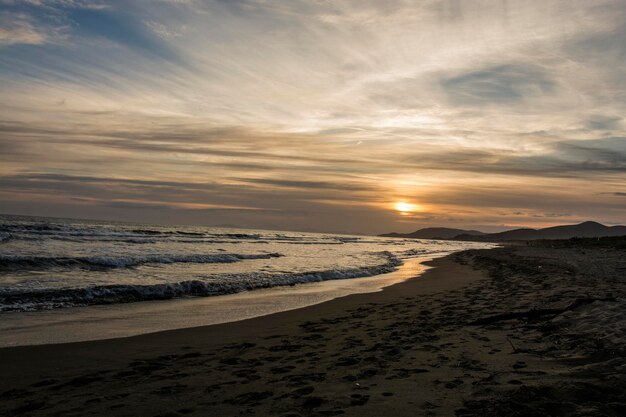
pixel 586 229
pixel 435 233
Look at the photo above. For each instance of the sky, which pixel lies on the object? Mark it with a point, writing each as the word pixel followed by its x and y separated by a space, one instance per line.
pixel 355 116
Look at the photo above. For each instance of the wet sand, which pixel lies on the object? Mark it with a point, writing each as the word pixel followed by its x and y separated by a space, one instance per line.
pixel 131 319
pixel 511 331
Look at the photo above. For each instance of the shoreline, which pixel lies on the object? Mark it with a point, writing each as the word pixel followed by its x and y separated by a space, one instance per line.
pixel 101 322
pixel 444 344
pixel 42 358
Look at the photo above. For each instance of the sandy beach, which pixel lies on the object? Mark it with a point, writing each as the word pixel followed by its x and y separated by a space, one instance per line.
pixel 516 331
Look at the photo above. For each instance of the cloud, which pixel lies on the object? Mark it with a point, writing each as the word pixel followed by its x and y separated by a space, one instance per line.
pixel 234 194
pixel 603 122
pixel 569 159
pixel 601 48
pixel 563 159
pixel 323 110
pixel 163 31
pixel 19 28
pixel 503 84
pixel 40 22
pixel 324 185
pixel 120 28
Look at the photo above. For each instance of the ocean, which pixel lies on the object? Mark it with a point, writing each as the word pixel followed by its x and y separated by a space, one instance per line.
pixel 48 263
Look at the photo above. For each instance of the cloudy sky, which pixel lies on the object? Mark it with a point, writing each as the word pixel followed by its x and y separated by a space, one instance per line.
pixel 315 115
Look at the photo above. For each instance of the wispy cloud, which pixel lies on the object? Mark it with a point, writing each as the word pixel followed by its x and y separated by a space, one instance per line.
pixel 20 28
pixel 499 85
pixel 313 107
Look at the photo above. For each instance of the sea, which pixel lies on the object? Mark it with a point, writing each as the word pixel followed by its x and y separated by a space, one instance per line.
pixel 53 263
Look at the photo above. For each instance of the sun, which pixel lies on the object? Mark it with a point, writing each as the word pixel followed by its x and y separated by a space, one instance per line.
pixel 405 208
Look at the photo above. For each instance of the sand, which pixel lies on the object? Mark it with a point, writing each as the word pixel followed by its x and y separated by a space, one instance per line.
pixel 415 348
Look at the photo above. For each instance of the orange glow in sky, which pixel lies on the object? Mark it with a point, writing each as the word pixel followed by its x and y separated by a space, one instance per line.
pixel 405 208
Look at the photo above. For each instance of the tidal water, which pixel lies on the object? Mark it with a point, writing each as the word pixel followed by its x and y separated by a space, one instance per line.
pixel 48 263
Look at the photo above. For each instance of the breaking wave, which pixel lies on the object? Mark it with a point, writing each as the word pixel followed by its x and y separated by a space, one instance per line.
pixel 29 300
pixel 13 262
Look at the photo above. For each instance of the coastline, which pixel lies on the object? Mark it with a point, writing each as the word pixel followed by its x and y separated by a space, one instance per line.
pixel 412 348
pixel 432 280
pixel 131 319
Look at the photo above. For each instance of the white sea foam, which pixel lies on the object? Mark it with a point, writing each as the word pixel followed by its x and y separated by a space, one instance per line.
pixel 25 300
pixel 48 263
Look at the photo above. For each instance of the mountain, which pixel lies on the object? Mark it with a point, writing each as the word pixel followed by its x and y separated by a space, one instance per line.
pixel 435 233
pixel 586 229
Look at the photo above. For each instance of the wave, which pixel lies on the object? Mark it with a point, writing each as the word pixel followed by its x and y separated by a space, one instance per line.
pixel 54 229
pixel 13 262
pixel 5 237
pixel 32 227
pixel 146 235
pixel 33 232
pixel 30 300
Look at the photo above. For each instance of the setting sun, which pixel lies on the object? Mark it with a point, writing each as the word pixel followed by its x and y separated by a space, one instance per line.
pixel 405 208
pixel 202 172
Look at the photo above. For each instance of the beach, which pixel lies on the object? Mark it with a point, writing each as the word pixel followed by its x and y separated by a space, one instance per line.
pixel 527 330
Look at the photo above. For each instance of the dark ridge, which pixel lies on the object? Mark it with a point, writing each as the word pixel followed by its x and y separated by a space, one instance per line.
pixel 434 233
pixel 586 229
pixel 582 230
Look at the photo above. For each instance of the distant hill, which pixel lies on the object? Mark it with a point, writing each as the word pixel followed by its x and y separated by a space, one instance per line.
pixel 586 229
pixel 435 233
